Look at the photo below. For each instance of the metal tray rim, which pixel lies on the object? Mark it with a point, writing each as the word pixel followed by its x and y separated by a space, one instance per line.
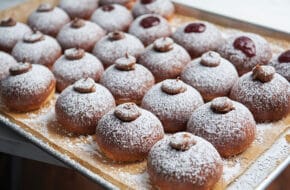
pixel 59 156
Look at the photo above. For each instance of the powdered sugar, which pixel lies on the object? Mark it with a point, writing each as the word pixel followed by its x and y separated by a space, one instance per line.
pixel 43 52
pixel 148 35
pixel 25 86
pixel 165 65
pixel 134 137
pixel 129 85
pixel 86 154
pixel 263 98
pixel 230 132
pixel 259 171
pixel 195 166
pixel 164 8
pixel 137 179
pixel 108 50
pixel 6 61
pixel 210 81
pixel 173 108
pixel 49 22
pixel 79 8
pixel 84 37
pixel 118 19
pixel 232 167
pixel 10 35
pixel 84 109
pixel 239 59
pixel 69 71
pixel 198 43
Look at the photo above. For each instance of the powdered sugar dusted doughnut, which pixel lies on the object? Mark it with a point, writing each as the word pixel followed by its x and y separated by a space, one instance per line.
pixel 80 34
pixel 128 133
pixel 6 61
pixel 79 8
pixel 48 19
pixel 113 17
pixel 184 161
pixel 74 65
pixel 173 102
pixel 115 45
pixel 198 37
pixel 37 48
pixel 227 124
pixel 164 58
pixel 11 32
pixel 245 51
pixel 164 8
pixel 149 27
pixel 127 81
pixel 80 106
pixel 211 75
pixel 27 87
pixel 264 92
pixel 282 64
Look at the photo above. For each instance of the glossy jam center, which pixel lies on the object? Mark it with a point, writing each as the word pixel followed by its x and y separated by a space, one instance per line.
pixel 284 57
pixel 246 45
pixel 149 22
pixel 195 27
pixel 107 8
pixel 147 1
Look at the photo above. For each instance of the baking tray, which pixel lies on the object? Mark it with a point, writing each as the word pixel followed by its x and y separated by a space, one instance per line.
pixel 253 169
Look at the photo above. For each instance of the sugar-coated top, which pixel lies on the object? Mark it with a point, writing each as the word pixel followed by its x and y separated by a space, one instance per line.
pixel 69 71
pixel 131 84
pixel 119 18
pixel 49 22
pixel 195 165
pixel 79 8
pixel 108 50
pixel 10 35
pixel 223 129
pixel 164 8
pixel 44 51
pixel 197 43
pixel 82 107
pixel 178 107
pixel 207 80
pixel 6 61
pixel 267 96
pixel 148 35
pixel 82 37
pixel 242 62
pixel 137 135
pixel 167 64
pixel 27 85
pixel 281 68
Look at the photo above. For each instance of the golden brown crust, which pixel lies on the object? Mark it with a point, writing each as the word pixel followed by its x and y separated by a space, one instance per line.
pixel 198 168
pixel 229 125
pixel 34 103
pixel 172 110
pixel 268 101
pixel 79 112
pixel 128 86
pixel 128 141
pixel 17 95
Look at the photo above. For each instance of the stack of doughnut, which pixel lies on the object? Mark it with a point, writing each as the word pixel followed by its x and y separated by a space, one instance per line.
pixel 207 91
